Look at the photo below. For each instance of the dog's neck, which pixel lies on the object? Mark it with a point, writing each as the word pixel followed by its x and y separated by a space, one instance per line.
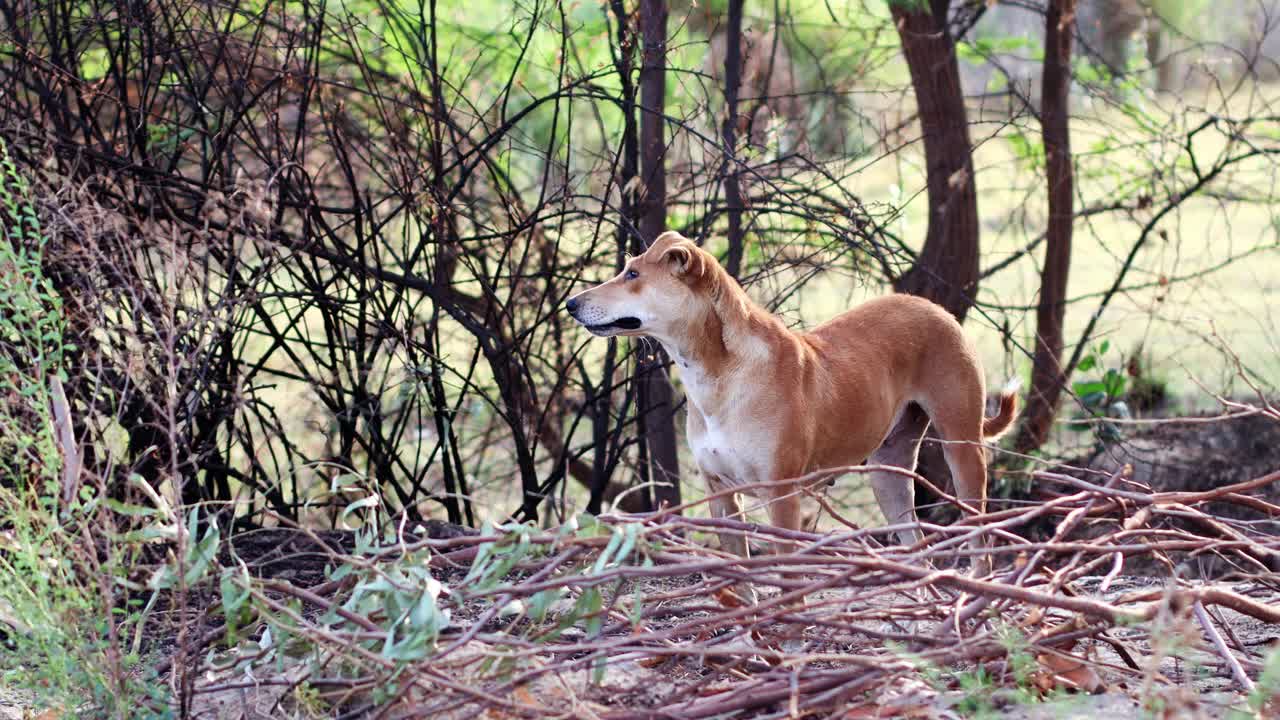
pixel 727 334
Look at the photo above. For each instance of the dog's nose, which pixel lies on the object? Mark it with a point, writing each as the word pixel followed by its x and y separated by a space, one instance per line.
pixel 571 305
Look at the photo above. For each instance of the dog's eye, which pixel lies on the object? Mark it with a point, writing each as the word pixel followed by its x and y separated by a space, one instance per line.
pixel 632 275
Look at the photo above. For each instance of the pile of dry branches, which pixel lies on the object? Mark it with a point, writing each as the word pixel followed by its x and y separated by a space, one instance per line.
pixel 633 616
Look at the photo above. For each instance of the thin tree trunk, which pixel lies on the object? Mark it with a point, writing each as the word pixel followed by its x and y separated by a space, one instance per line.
pixel 603 489
pixel 656 396
pixel 732 186
pixel 1161 53
pixel 1047 378
pixel 947 269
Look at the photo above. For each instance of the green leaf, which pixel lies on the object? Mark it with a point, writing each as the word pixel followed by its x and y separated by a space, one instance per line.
pixel 608 551
pixel 597 671
pixel 637 606
pixel 1094 400
pixel 541 602
pixel 590 605
pixel 233 595
pixel 630 533
pixel 343 480
pixel 1115 383
pixel 588 526
pixel 366 502
pixel 162 579
pixel 202 554
pixel 427 618
pixel 481 561
pixel 1089 387
pixel 193 523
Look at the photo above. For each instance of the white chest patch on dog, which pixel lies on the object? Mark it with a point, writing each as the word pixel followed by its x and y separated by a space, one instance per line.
pixel 734 442
pixel 739 456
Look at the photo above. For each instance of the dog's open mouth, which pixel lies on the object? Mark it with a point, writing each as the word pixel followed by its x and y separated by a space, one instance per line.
pixel 622 323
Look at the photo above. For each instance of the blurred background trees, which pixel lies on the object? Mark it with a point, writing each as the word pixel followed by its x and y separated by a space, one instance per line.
pixel 306 255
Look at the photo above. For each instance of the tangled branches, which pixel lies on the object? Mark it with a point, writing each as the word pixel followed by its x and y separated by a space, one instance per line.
pixel 631 616
pixel 298 250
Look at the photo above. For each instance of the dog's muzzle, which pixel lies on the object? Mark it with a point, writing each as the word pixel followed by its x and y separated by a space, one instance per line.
pixel 595 321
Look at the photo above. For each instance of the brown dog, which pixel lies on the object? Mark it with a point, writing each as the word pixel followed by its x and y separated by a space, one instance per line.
pixel 767 404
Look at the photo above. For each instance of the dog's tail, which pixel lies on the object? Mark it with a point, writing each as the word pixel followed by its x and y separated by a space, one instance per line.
pixel 998 424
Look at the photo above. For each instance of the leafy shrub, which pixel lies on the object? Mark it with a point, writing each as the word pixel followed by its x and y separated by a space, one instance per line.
pixel 1101 393
pixel 63 607
pixel 31 346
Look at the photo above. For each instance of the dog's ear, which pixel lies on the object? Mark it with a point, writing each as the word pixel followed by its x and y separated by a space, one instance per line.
pixel 679 257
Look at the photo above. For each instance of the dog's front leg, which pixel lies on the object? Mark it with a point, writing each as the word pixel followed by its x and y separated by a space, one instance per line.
pixel 784 512
pixel 725 504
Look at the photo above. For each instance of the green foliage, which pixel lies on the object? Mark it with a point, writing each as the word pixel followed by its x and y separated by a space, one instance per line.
pixel 910 5
pixel 1029 150
pixel 1097 392
pixel 407 596
pixel 1264 701
pixel 1021 661
pixel 977 688
pixel 412 608
pixel 1182 17
pixel 65 626
pixel 1101 391
pixel 981 694
pixel 978 51
pixel 31 338
pixel 61 614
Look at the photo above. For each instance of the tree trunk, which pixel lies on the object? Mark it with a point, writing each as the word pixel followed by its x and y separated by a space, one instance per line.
pixel 947 269
pixel 656 396
pixel 603 462
pixel 729 171
pixel 1047 378
pixel 1161 54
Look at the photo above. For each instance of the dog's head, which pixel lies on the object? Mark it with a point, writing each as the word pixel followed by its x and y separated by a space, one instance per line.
pixel 656 294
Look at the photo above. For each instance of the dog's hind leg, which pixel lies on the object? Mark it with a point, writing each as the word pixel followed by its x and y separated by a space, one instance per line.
pixel 968 462
pixel 896 492
pixel 961 429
